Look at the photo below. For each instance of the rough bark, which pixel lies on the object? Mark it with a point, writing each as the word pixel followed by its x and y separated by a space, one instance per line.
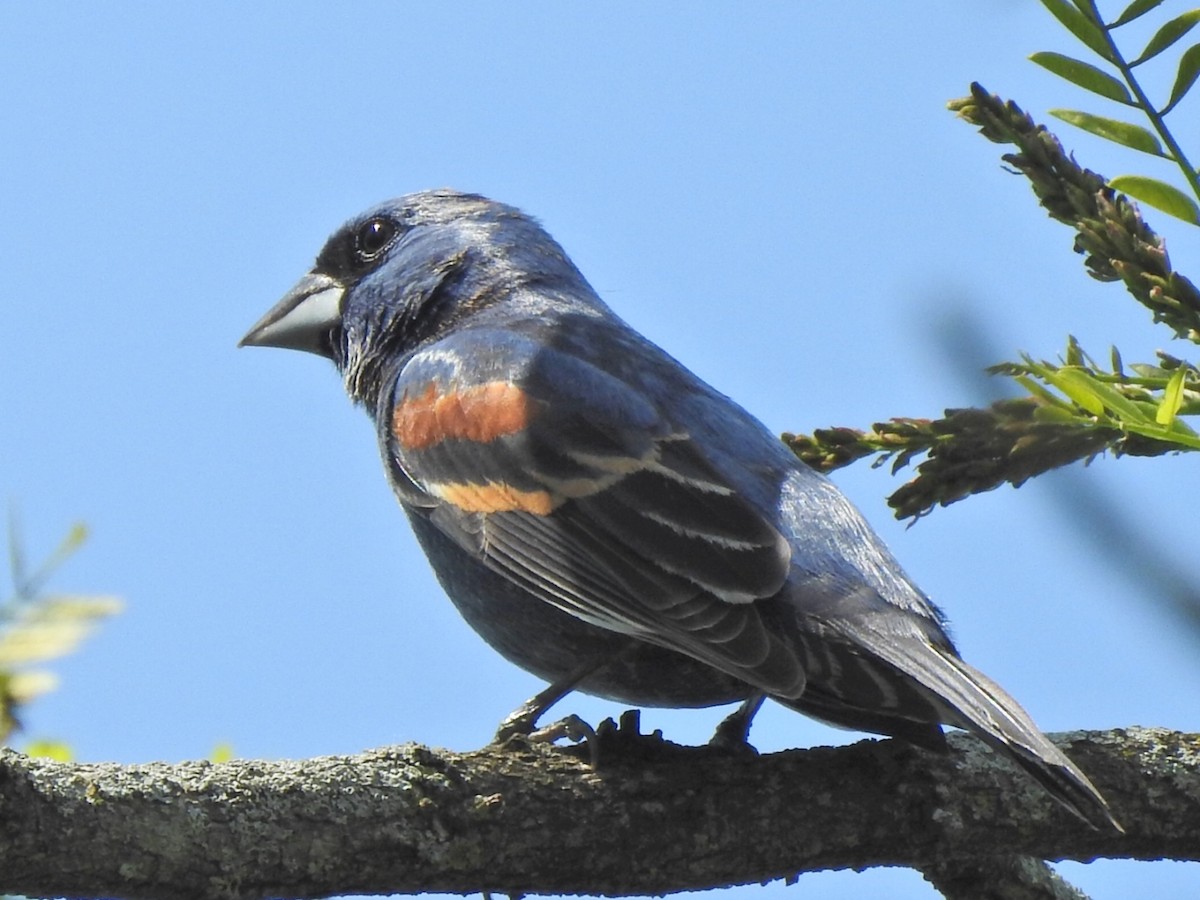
pixel 652 818
pixel 999 878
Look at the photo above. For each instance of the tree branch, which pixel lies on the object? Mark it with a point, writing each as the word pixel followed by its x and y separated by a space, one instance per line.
pixel 653 818
pixel 1000 878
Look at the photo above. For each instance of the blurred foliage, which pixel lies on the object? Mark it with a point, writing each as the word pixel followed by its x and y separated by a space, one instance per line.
pixel 36 627
pixel 55 750
pixel 1072 409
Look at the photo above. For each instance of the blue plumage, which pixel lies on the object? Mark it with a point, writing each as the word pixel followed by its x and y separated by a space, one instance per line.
pixel 604 518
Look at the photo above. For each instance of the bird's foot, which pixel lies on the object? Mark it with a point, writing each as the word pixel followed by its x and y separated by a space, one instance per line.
pixel 573 729
pixel 521 722
pixel 621 739
pixel 624 736
pixel 733 734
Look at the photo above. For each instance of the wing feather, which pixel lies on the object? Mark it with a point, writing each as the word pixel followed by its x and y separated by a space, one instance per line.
pixel 574 484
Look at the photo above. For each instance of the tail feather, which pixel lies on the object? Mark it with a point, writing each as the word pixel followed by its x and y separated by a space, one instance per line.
pixel 850 690
pixel 854 684
pixel 990 712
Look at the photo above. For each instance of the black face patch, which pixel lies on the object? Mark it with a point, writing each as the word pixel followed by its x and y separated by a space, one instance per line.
pixel 357 248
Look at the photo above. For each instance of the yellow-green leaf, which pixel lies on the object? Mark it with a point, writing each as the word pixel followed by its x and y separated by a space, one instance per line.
pixel 1119 132
pixel 1169 34
pixel 1172 399
pixel 1189 71
pixel 1074 355
pixel 1096 396
pixel 1085 75
pixel 1078 386
pixel 1079 25
pixel 1177 432
pixel 1158 194
pixel 73 541
pixel 22 687
pixel 52 628
pixel 56 750
pixel 1057 415
pixel 1148 371
pixel 1129 411
pixel 1037 391
pixel 1135 10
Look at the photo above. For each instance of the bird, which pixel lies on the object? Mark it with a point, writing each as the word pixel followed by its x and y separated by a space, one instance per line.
pixel 604 518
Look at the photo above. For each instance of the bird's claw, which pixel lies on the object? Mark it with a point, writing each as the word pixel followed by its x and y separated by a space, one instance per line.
pixel 522 722
pixel 573 729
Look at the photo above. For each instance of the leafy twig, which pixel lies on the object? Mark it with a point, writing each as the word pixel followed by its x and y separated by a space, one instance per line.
pixel 1082 18
pixel 1116 241
pixel 1073 412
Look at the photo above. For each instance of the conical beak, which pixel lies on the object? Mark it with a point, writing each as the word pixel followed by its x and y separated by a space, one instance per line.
pixel 303 319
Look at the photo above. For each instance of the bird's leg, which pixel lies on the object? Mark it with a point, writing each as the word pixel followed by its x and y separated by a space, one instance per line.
pixel 523 719
pixel 734 731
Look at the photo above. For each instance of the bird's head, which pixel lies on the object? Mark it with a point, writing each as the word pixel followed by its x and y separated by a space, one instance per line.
pixel 405 272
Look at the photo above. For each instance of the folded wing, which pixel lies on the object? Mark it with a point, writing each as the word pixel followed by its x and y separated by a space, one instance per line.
pixel 572 483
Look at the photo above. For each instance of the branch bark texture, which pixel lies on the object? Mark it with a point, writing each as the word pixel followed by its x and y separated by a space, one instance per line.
pixel 651 818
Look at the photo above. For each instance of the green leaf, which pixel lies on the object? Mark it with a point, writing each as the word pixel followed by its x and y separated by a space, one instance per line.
pixel 1148 371
pixel 1081 26
pixel 1134 136
pixel 1074 355
pixel 1057 415
pixel 1078 386
pixel 1115 361
pixel 1158 194
pixel 1169 34
pixel 1189 70
pixel 1085 75
pixel 1176 433
pixel 1038 392
pixel 1095 396
pixel 1135 10
pixel 1172 399
pixel 1130 412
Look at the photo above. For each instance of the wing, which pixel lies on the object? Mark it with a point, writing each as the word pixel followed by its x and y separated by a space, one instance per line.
pixel 572 483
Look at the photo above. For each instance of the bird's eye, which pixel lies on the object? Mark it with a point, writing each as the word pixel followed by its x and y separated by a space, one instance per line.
pixel 374 237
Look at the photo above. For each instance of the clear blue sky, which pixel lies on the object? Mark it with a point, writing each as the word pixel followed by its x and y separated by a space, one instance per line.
pixel 780 199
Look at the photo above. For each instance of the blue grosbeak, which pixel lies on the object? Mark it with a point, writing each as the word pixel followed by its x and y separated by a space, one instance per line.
pixel 605 519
